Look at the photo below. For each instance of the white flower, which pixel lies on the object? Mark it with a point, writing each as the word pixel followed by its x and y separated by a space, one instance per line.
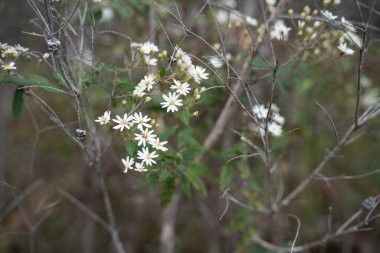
pixel 150 61
pixel 159 145
pixel 147 83
pixel 10 51
pixel 197 73
pixel 180 88
pixel 146 156
pixel 216 62
pixel 280 31
pixel 251 21
pixel 138 92
pixel 107 15
pixel 348 25
pixel 271 2
pixel 148 48
pixel 128 162
pixel 141 121
pixel 19 48
pixel 9 66
pixel 124 122
pixel 229 3
pixel 354 38
pixel 140 167
pixel 105 118
pixel 343 47
pixel 260 111
pixel 328 15
pixel 183 59
pixel 171 102
pixel 144 137
pixel 274 129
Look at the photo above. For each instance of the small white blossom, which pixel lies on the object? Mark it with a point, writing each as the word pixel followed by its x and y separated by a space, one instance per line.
pixel 9 66
pixel 354 38
pixel 328 15
pixel 21 49
pixel 105 118
pixel 197 73
pixel 148 48
pixel 147 83
pixel 159 145
pixel 183 59
pixel 147 157
pixel 141 121
pixel 216 62
pixel 124 122
pixel 140 167
pixel 11 52
pixel 271 2
pixel 128 163
pixel 274 129
pixel 348 25
pixel 150 61
pixel 171 102
pixel 280 31
pixel 180 88
pixel 343 47
pixel 138 92
pixel 144 137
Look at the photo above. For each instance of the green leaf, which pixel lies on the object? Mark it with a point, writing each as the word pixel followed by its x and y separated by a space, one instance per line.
pixel 167 190
pixel 185 137
pixel 168 132
pixel 184 117
pixel 162 71
pixel 92 18
pixel 38 81
pixel 18 101
pixel 226 176
pixel 131 147
pixel 195 180
pixel 185 186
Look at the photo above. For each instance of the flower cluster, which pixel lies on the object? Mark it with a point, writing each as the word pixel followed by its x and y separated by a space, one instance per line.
pixel 139 126
pixel 9 55
pixel 309 28
pixel 178 89
pixel 273 123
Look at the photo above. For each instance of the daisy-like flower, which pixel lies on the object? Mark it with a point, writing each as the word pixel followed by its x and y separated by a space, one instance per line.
pixel 144 137
pixel 150 61
pixel 140 167
pixel 280 31
pixel 171 102
pixel 138 93
pixel 148 48
pixel 147 157
pixel 9 66
pixel 183 59
pixel 159 145
pixel 198 73
pixel 180 88
pixel 141 121
pixel 128 163
pixel 343 47
pixel 105 118
pixel 328 15
pixel 216 62
pixel 124 122
pixel 147 82
pixel 21 49
pixel 11 52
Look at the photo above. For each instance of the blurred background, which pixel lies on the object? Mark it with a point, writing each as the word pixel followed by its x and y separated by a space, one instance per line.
pixel 37 158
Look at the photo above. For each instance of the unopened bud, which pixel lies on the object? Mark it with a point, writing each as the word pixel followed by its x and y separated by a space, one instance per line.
pixel 195 114
pixel 124 102
pixel 45 56
pixel 147 99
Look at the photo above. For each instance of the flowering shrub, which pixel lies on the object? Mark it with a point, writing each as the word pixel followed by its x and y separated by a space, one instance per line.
pixel 224 100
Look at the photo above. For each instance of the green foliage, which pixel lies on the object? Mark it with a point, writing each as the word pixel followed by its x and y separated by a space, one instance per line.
pixel 92 18
pixel 167 189
pixel 37 81
pixel 131 147
pixel 226 176
pixel 18 101
pixel 184 117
